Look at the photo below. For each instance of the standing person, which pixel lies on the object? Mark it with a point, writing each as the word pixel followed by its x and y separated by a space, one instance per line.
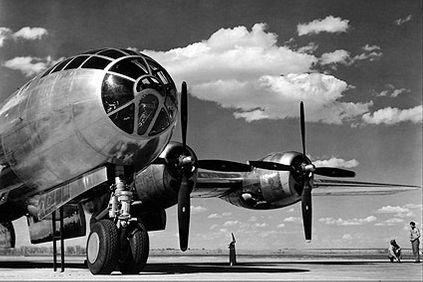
pixel 394 251
pixel 415 242
pixel 232 253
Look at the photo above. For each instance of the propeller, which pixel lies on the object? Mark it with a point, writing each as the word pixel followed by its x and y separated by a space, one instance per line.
pixel 306 170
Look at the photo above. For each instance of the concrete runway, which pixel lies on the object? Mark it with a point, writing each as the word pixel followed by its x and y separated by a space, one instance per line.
pixel 210 268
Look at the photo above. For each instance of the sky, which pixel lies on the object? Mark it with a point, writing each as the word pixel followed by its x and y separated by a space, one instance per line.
pixel 357 65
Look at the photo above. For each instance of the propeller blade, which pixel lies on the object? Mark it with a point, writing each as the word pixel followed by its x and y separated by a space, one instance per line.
pixel 334 172
pixel 306 210
pixel 184 113
pixel 184 209
pixel 270 165
pixel 221 165
pixel 302 124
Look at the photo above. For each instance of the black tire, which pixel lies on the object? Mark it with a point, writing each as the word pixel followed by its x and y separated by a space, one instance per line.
pixel 102 247
pixel 135 249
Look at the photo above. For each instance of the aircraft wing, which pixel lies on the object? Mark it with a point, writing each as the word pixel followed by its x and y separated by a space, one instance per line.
pixel 212 184
pixel 333 187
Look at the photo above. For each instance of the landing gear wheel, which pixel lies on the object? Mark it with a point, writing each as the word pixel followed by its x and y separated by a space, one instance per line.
pixel 135 248
pixel 102 247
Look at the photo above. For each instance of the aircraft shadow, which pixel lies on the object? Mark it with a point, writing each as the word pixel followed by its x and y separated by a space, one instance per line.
pixel 183 268
pixel 169 268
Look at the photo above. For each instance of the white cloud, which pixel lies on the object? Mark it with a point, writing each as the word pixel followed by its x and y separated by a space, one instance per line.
pixel 338 56
pixel 5 33
pixel 370 48
pixel 397 210
pixel 336 162
pixel 30 33
pixel 329 24
pixel 390 222
pixel 370 53
pixel 309 48
pixel 414 206
pixel 248 72
pixel 391 91
pixel 292 219
pixel 198 209
pixel 390 116
pixel 29 66
pixel 26 33
pixel 401 21
pixel 216 215
pixel 347 222
pixel 260 225
pixel 347 237
pixel 281 225
pixel 231 223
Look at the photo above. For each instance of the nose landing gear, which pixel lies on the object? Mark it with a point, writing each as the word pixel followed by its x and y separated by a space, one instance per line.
pixel 120 242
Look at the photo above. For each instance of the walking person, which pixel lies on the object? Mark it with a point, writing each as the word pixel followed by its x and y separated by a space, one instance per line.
pixel 232 253
pixel 415 241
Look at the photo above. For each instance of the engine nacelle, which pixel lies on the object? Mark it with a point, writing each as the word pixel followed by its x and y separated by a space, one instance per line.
pixel 157 186
pixel 267 189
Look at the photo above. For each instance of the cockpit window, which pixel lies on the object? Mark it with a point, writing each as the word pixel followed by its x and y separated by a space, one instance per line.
pixel 76 62
pixel 162 122
pixel 124 118
pixel 131 67
pixel 95 63
pixel 147 108
pixel 49 70
pixel 112 53
pixel 61 65
pixel 116 91
pixel 138 95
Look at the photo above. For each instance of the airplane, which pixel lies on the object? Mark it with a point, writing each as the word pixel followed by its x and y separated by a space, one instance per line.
pixel 91 134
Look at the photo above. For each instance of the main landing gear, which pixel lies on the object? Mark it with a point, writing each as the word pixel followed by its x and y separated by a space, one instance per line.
pixel 120 242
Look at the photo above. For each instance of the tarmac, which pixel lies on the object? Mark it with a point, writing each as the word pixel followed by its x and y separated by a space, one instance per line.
pixel 216 268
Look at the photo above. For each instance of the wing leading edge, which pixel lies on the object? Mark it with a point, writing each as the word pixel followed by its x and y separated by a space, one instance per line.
pixel 333 187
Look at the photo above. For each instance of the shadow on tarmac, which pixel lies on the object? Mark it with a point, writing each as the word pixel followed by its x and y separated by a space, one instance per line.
pixel 169 268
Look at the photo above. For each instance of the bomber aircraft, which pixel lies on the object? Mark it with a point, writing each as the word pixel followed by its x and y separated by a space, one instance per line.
pixel 92 133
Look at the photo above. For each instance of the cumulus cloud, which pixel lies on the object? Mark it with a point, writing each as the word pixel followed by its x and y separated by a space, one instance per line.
pixel 216 215
pixel 231 223
pixel 391 91
pixel 347 222
pixel 198 209
pixel 390 116
pixel 339 56
pixel 29 66
pixel 30 33
pixel 336 162
pixel 370 53
pixel 390 222
pixel 402 21
pixel 309 48
pixel 247 71
pixel 396 210
pixel 25 33
pixel 347 237
pixel 281 225
pixel 292 219
pixel 329 24
pixel 5 33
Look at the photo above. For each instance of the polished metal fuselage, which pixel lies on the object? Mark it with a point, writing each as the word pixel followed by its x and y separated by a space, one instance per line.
pixel 56 128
